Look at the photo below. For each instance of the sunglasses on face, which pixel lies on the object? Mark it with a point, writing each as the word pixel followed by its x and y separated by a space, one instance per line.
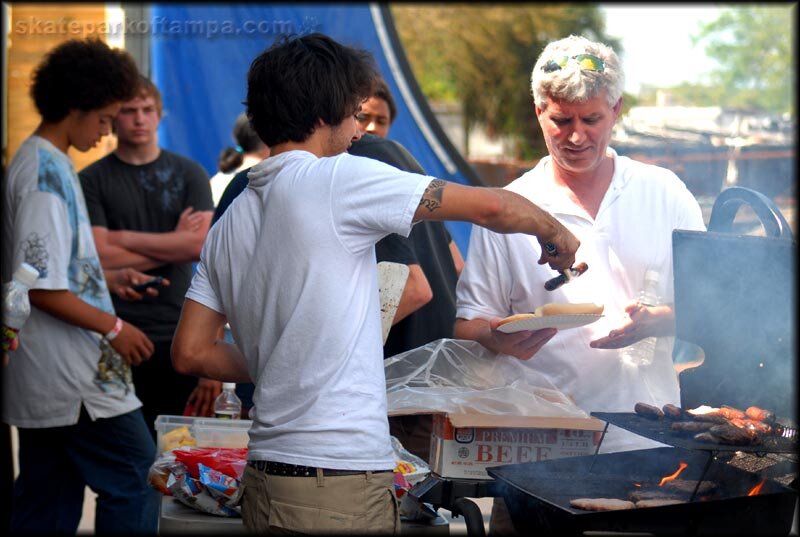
pixel 587 62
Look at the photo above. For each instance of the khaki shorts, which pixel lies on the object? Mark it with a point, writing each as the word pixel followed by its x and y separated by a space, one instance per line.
pixel 362 503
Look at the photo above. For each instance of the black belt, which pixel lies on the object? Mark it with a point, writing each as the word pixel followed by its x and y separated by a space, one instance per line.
pixel 294 470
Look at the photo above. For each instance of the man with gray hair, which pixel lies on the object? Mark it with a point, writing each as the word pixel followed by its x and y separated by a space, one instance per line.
pixel 623 213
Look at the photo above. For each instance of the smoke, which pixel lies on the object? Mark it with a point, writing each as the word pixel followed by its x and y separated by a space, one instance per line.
pixel 735 298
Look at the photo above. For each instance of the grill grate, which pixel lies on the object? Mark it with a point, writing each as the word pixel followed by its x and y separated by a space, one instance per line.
pixel 659 430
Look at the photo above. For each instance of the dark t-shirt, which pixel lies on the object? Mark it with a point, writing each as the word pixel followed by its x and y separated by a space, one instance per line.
pixel 430 243
pixel 234 188
pixel 148 198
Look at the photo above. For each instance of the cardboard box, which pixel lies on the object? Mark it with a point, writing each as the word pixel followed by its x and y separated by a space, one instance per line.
pixel 464 445
pixel 173 431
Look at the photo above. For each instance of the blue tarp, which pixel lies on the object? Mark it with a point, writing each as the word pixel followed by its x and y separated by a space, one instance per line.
pixel 200 55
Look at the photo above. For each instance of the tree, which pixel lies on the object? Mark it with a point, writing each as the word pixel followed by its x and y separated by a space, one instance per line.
pixel 482 56
pixel 753 46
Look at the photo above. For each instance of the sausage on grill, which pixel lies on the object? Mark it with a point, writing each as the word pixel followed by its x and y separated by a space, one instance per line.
pixel 672 411
pixel 728 434
pixel 691 427
pixel 648 411
pixel 758 414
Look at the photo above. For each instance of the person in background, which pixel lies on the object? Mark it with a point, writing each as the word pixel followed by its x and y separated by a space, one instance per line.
pixel 249 150
pixel 379 110
pixel 306 319
pixel 623 212
pixel 68 387
pixel 427 308
pixel 151 209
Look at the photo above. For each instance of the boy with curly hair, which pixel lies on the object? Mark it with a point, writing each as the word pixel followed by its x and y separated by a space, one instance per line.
pixel 68 387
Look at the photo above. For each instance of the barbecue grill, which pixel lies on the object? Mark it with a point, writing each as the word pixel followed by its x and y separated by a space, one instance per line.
pixel 538 495
pixel 734 297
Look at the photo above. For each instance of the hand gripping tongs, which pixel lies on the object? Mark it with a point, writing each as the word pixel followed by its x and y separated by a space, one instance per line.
pixel 566 275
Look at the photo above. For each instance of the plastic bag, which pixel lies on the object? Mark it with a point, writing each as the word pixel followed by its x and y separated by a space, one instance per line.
pixel 192 493
pixel 205 479
pixel 462 376
pixel 408 470
pixel 161 469
pixel 220 486
pixel 229 461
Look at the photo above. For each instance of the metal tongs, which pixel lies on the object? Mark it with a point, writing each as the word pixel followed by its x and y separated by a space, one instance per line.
pixel 565 275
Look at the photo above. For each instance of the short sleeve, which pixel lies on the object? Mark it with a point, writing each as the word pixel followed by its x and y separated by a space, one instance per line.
pixel 43 238
pixel 370 198
pixel 198 194
pixel 202 291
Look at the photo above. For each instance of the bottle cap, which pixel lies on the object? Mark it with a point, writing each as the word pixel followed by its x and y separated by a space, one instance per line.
pixel 652 276
pixel 26 275
pixel 228 385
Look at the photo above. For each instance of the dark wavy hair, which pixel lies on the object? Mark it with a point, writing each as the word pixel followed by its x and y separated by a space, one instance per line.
pixel 82 74
pixel 382 91
pixel 247 141
pixel 300 80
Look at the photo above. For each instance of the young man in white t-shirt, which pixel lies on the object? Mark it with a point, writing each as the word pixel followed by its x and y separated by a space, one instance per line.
pixel 67 387
pixel 291 266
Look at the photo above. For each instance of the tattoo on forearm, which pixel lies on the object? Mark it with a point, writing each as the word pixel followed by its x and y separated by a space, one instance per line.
pixel 432 198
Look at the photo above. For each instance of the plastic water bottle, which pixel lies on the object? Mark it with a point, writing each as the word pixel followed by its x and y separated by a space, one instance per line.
pixel 16 305
pixel 228 405
pixel 642 352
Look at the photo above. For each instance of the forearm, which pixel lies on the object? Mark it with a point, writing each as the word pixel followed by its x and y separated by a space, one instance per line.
pixel 114 257
pixel 458 259
pixel 501 211
pixel 198 348
pixel 170 247
pixel 67 307
pixel 476 330
pixel 497 209
pixel 416 293
pixel 512 213
pixel 221 361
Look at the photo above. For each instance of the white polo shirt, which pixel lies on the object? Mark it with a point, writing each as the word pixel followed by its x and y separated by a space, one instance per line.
pixel 632 233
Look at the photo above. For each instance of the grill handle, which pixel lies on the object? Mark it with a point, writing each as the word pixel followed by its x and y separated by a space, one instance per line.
pixel 731 199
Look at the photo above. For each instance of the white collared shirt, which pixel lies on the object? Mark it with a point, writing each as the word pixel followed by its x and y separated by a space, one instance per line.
pixel 632 233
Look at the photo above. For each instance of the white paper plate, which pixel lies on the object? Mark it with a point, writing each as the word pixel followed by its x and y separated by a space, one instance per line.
pixel 562 322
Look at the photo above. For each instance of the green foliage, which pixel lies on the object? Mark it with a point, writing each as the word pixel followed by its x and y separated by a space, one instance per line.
pixel 753 47
pixel 481 55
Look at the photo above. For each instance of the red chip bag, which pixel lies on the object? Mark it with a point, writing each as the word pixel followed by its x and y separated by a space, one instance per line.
pixel 229 461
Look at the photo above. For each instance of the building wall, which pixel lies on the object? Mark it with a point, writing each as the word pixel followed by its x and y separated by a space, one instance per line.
pixel 33 30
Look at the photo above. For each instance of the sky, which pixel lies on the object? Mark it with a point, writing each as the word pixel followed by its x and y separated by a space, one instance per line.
pixel 657 44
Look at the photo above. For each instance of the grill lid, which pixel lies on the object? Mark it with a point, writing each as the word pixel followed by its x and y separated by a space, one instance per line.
pixel 735 298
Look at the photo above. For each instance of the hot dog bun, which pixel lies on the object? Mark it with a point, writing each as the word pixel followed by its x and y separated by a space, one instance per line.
pixel 584 308
pixel 517 317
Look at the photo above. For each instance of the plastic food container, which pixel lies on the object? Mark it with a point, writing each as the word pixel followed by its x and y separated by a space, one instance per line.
pixel 176 431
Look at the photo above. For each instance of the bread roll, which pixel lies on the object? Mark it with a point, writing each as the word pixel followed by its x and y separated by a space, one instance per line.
pixel 586 308
pixel 517 317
